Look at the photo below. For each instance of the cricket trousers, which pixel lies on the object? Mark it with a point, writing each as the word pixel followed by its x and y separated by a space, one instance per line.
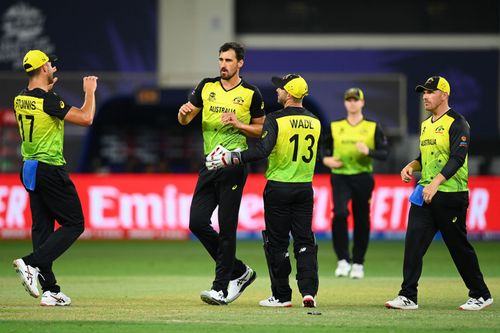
pixel 288 208
pixel 54 199
pixel 222 188
pixel 357 188
pixel 446 213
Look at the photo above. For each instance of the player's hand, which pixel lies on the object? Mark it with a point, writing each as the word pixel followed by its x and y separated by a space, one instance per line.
pixel 186 108
pixel 407 174
pixel 229 118
pixel 429 191
pixel 90 84
pixel 362 148
pixel 51 86
pixel 332 162
pixel 220 158
pixel 214 158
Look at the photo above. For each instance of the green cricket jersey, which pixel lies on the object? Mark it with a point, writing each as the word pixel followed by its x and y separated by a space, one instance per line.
pixel 444 145
pixel 340 142
pixel 40 116
pixel 290 138
pixel 245 100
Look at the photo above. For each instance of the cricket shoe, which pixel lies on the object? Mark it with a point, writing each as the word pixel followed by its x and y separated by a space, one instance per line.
pixel 357 271
pixel 275 303
pixel 343 268
pixel 28 276
pixel 55 299
pixel 308 301
pixel 213 297
pixel 236 287
pixel 401 303
pixel 476 304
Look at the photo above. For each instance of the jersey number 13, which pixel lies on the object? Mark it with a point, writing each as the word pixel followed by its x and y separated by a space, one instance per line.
pixel 310 153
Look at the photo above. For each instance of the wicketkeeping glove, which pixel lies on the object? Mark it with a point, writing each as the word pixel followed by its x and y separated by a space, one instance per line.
pixel 220 158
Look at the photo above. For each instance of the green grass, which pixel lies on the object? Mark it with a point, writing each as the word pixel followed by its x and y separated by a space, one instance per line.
pixel 153 286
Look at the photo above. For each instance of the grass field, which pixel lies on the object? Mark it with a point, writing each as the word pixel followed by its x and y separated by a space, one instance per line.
pixel 153 286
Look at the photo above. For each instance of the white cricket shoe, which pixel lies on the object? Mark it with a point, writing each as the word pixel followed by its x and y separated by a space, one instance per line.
pixel 236 287
pixel 213 297
pixel 308 301
pixel 401 303
pixel 357 271
pixel 476 304
pixel 343 268
pixel 28 276
pixel 274 302
pixel 55 299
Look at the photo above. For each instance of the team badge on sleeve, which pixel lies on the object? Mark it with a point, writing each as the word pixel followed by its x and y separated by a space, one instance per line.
pixel 463 141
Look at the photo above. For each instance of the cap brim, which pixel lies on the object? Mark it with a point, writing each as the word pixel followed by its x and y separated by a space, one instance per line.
pixel 421 88
pixel 352 96
pixel 277 82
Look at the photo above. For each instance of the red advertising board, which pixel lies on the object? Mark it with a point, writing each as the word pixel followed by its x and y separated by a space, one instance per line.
pixel 157 206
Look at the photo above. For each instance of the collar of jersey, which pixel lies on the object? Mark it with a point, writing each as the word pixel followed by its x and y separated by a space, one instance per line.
pixel 236 86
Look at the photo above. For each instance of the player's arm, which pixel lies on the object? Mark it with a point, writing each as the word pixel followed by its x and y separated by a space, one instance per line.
pixel 381 150
pixel 326 143
pixel 187 112
pixel 410 168
pixel 253 130
pixel 84 116
pixel 326 150
pixel 414 166
pixel 459 147
pixel 265 145
pixel 193 106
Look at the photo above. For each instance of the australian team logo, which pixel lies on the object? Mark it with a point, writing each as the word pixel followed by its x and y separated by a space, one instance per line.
pixel 238 100
pixel 439 129
pixel 211 97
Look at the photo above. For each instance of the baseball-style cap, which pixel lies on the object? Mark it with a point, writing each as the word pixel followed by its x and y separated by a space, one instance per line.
pixel 435 83
pixel 355 93
pixel 293 84
pixel 35 59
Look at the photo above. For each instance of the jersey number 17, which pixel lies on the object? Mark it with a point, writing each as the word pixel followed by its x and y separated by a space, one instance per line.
pixel 21 126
